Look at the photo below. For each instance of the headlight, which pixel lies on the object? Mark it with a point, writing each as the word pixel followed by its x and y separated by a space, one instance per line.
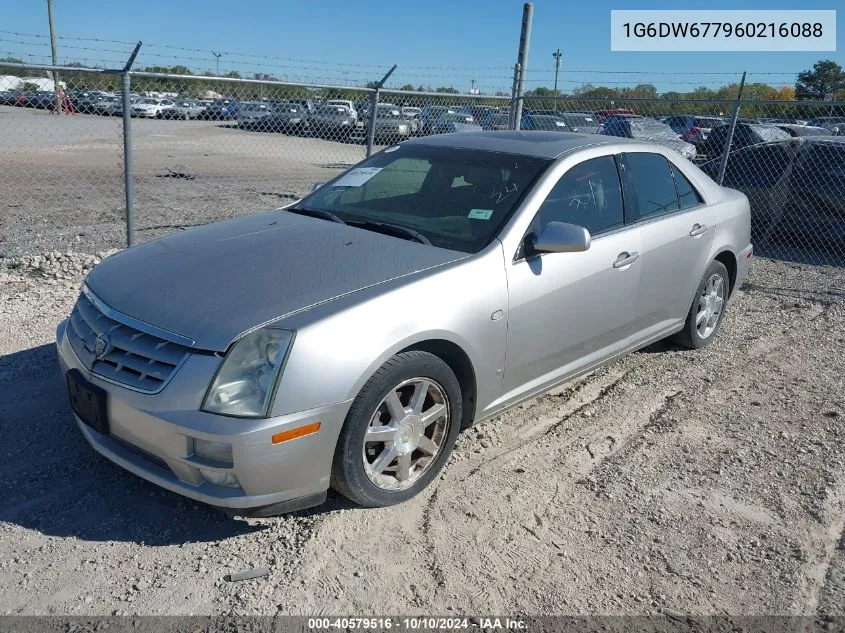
pixel 403 128
pixel 246 380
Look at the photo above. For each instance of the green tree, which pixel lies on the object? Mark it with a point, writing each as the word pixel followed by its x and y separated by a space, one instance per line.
pixel 826 77
pixel 407 87
pixel 447 89
pixel 5 70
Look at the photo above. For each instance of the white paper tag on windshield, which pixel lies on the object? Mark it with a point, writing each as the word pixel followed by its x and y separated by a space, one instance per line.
pixel 480 214
pixel 356 177
pixel 560 123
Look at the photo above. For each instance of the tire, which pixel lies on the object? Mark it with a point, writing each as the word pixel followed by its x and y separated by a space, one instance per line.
pixel 403 374
pixel 696 335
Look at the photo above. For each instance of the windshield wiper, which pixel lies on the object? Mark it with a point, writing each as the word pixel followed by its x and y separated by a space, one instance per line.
pixel 392 229
pixel 316 213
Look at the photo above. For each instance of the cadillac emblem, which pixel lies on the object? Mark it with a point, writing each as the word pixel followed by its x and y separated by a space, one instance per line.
pixel 101 346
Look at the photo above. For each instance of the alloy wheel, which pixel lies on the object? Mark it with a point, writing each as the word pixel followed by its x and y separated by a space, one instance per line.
pixel 406 433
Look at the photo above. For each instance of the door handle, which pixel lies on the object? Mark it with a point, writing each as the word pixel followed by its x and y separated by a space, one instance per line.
pixel 625 259
pixel 698 230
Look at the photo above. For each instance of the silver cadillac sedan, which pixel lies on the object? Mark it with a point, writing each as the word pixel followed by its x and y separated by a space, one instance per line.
pixel 345 340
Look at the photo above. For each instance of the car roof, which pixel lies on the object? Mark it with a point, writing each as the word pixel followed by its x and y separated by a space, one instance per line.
pixel 537 144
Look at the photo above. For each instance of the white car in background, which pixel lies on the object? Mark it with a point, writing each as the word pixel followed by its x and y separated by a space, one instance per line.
pixel 152 108
pixel 346 104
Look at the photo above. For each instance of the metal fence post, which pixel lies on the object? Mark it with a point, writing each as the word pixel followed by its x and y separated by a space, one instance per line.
pixel 371 124
pixel 724 164
pixel 514 88
pixel 128 170
pixel 524 40
pixel 371 129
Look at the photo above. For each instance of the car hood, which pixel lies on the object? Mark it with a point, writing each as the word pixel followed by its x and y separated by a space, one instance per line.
pixel 212 283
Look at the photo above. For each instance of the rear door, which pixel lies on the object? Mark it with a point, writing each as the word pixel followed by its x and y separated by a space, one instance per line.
pixel 676 229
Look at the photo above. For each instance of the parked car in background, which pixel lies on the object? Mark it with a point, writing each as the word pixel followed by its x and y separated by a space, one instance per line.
pixel 187 368
pixel 285 117
pixel 85 101
pixel 580 122
pixel 543 122
pixel 429 115
pixel 250 112
pixel 42 100
pixel 347 104
pixel 745 134
pixel 118 106
pixel 796 188
pixel 603 115
pixel 224 110
pixel 107 106
pixel 389 125
pixel 184 109
pixel 496 121
pixel 412 116
pixel 804 130
pixel 645 129
pixel 152 108
pixel 8 97
pixel 477 112
pixel 333 122
pixel 691 128
pixel 836 124
pixel 451 122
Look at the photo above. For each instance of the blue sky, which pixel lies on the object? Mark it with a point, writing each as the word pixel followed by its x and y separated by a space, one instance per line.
pixel 435 42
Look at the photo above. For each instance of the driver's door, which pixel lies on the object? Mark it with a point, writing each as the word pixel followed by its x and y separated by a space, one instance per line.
pixel 568 311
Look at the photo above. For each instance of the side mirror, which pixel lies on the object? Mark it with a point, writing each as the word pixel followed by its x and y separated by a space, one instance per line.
pixel 559 237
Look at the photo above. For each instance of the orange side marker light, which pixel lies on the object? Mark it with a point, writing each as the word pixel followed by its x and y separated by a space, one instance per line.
pixel 292 434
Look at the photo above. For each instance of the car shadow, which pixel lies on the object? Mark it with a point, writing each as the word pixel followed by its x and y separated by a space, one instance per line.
pixel 54 483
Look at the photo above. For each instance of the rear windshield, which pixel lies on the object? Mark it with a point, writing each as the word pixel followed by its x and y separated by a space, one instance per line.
pixel 458 198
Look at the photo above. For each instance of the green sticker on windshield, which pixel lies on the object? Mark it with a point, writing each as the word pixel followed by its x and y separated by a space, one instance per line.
pixel 480 214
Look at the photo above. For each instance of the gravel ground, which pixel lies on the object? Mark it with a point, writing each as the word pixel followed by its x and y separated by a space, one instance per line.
pixel 61 178
pixel 706 482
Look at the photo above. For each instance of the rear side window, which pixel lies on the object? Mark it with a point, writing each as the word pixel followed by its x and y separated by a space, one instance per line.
pixel 687 194
pixel 650 188
pixel 588 195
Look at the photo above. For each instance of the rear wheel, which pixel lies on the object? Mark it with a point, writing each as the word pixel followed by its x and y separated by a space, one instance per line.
pixel 399 431
pixel 707 310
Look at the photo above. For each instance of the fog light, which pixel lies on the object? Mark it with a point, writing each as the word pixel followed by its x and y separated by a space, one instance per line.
pixel 218 452
pixel 220 479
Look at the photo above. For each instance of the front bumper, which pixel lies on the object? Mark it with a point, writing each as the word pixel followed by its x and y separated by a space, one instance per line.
pixel 152 436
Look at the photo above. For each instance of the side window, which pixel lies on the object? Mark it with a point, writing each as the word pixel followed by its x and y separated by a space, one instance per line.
pixel 687 195
pixel 652 183
pixel 588 195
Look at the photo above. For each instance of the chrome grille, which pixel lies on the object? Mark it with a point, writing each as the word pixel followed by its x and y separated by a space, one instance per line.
pixel 133 358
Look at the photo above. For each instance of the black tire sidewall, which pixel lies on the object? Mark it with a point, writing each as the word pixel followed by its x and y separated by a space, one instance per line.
pixel 348 475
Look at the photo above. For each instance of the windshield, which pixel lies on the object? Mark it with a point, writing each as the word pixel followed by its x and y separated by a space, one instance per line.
pixel 457 198
pixel 388 113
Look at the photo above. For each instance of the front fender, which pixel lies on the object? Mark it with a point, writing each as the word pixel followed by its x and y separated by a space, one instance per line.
pixel 340 344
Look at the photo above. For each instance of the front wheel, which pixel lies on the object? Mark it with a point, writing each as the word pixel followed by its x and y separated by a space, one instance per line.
pixel 399 431
pixel 707 310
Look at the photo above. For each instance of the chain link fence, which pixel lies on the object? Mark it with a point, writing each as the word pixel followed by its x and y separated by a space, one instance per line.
pixel 206 148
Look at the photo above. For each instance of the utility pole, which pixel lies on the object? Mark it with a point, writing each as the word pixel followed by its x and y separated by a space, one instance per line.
pixel 218 56
pixel 472 87
pixel 524 39
pixel 557 57
pixel 58 103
